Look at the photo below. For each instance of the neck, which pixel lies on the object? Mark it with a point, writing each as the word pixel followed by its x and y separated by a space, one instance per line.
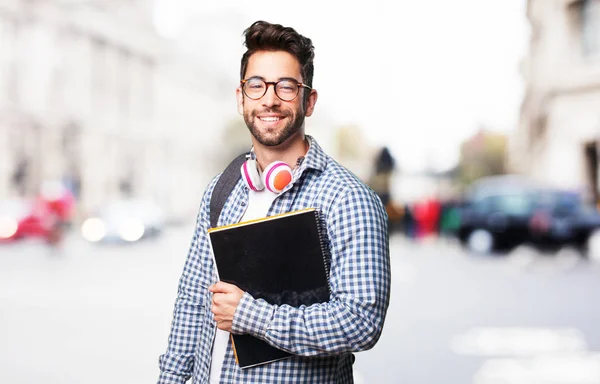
pixel 288 152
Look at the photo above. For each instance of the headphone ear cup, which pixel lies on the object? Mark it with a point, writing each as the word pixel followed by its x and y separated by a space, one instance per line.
pixel 277 176
pixel 251 175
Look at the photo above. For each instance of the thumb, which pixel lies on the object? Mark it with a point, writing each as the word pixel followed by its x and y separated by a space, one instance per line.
pixel 220 287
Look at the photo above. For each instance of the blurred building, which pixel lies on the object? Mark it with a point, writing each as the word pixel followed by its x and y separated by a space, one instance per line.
pixel 90 94
pixel 558 136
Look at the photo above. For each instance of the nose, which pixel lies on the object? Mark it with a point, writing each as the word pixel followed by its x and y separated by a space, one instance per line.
pixel 270 99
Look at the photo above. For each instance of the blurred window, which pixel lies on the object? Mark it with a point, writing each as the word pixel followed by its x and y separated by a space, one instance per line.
pixel 484 205
pixel 590 27
pixel 515 204
pixel 566 204
pixel 560 203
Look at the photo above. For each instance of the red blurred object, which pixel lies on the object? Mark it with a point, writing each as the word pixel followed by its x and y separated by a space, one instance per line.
pixel 427 214
pixel 43 217
pixel 24 219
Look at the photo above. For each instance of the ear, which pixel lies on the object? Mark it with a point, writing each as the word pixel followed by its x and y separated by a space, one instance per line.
pixel 240 100
pixel 310 104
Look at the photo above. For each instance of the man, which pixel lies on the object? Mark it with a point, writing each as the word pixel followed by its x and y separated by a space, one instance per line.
pixel 274 97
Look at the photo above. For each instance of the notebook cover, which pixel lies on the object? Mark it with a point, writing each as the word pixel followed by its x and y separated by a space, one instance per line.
pixel 282 259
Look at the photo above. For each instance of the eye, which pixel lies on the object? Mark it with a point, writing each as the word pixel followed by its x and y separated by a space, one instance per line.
pixel 255 85
pixel 286 86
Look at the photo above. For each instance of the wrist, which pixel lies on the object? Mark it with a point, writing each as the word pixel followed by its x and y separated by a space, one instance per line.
pixel 252 316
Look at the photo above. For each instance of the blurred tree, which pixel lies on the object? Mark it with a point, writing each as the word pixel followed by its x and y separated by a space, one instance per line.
pixel 483 154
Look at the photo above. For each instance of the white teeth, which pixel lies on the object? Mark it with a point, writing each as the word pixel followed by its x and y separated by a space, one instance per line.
pixel 270 119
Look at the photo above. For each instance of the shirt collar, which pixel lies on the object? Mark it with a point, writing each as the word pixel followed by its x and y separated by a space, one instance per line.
pixel 315 157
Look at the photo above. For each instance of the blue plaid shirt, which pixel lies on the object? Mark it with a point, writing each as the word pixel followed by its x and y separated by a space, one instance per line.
pixel 322 336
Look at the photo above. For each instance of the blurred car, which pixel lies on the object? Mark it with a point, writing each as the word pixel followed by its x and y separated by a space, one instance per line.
pixel 501 212
pixel 562 218
pixel 124 221
pixel 24 218
pixel 495 214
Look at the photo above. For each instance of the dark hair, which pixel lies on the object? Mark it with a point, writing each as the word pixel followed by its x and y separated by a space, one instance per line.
pixel 263 36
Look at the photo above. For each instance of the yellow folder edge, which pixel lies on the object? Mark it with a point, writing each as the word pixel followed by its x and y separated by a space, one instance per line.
pixel 241 223
pixel 234 350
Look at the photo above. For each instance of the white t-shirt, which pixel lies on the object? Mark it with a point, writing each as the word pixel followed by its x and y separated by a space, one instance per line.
pixel 258 206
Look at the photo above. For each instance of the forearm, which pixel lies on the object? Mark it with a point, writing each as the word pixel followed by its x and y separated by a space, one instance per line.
pixel 191 307
pixel 360 278
pixel 177 363
pixel 320 329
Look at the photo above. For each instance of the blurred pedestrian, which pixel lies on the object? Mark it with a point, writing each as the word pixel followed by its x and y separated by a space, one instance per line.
pixel 449 219
pixel 274 97
pixel 408 221
pixel 380 180
pixel 427 214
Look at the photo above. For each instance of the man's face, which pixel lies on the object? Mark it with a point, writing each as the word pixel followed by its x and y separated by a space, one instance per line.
pixel 271 120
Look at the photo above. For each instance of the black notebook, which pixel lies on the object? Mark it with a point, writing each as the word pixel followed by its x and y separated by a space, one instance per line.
pixel 282 259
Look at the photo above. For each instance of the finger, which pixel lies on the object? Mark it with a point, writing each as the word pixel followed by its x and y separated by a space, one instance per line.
pixel 222 287
pixel 219 286
pixel 217 304
pixel 219 298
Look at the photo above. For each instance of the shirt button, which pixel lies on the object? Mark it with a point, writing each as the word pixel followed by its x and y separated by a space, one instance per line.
pixel 243 203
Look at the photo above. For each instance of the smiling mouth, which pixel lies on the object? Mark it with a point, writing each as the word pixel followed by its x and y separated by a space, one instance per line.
pixel 270 119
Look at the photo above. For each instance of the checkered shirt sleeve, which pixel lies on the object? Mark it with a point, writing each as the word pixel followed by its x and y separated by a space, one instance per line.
pixel 192 308
pixel 353 319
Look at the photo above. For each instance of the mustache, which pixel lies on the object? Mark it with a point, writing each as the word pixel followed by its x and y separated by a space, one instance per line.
pixel 271 110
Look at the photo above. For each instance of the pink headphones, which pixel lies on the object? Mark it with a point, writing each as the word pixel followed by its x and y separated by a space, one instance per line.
pixel 275 177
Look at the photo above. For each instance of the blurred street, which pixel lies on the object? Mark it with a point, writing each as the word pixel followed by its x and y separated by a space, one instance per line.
pixel 87 314
pixel 116 115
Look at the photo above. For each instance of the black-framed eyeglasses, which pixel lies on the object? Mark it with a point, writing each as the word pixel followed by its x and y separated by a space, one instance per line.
pixel 286 89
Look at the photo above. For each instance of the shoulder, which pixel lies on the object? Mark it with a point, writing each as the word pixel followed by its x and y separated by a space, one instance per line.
pixel 211 185
pixel 348 188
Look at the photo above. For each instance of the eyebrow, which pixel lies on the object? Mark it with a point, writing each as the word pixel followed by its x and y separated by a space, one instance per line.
pixel 280 79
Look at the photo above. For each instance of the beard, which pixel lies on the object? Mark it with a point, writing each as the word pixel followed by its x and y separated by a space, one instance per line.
pixel 274 138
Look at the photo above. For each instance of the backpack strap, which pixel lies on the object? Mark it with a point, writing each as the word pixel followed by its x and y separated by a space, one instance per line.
pixel 223 188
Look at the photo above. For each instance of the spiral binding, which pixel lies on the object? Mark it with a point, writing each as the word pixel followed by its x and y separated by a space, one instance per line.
pixel 325 251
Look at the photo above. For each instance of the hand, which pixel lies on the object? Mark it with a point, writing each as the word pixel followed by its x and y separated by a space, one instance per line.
pixel 225 300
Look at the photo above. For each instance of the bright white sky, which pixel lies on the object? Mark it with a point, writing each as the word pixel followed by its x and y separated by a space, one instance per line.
pixel 417 76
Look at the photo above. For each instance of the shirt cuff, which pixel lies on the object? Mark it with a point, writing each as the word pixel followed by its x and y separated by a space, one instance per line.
pixel 252 316
pixel 169 378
